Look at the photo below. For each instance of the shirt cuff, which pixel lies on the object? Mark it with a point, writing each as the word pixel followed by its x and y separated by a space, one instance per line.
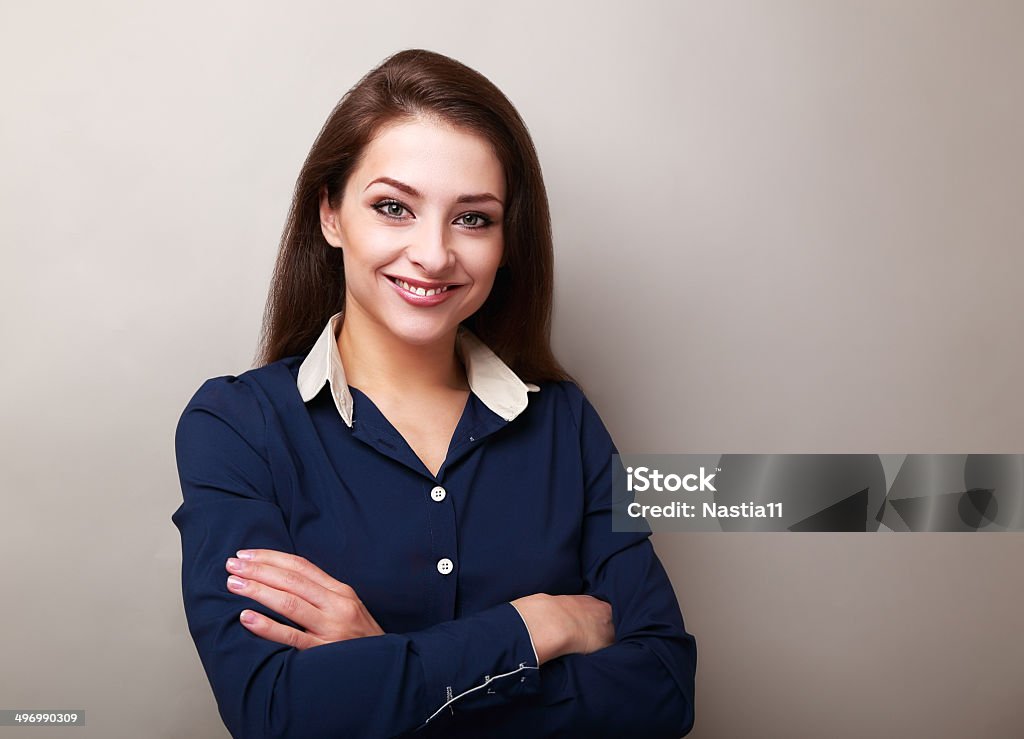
pixel 536 658
pixel 487 656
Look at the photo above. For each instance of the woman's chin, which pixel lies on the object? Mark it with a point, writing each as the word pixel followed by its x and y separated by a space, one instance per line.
pixel 422 333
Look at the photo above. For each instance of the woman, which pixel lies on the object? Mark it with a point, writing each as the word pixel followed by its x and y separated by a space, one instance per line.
pixel 400 523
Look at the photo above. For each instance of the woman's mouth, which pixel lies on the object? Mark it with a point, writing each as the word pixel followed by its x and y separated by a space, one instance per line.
pixel 419 295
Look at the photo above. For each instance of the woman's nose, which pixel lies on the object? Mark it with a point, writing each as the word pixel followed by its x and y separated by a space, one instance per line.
pixel 430 249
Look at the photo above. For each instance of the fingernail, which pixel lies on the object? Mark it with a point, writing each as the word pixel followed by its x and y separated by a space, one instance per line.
pixel 235 582
pixel 234 565
pixel 248 617
pixel 243 554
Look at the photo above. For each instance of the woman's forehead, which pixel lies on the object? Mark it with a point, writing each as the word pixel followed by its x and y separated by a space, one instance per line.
pixel 433 157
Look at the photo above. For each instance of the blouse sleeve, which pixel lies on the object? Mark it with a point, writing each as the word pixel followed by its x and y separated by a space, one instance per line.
pixel 372 686
pixel 643 684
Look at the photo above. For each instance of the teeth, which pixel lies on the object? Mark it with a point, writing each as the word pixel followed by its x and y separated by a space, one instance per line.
pixel 420 290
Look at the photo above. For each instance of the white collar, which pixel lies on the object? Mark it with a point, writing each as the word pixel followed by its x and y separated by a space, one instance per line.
pixel 490 379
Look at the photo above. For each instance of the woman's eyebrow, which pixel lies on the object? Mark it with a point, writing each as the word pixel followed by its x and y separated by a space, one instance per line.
pixel 410 190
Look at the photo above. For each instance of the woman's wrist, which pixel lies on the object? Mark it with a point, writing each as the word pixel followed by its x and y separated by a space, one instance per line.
pixel 549 624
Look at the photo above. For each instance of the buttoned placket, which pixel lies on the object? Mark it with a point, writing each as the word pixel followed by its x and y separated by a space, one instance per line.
pixel 477 422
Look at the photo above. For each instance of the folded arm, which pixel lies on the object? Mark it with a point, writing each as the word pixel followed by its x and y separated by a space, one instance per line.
pixel 382 685
pixel 643 684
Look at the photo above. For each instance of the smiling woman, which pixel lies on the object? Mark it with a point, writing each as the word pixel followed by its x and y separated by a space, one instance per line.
pixel 408 235
pixel 399 523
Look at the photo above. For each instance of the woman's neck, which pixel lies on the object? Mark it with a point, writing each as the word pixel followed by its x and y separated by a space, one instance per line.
pixel 376 360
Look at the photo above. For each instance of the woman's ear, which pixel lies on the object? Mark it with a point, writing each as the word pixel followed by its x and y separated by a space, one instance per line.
pixel 329 219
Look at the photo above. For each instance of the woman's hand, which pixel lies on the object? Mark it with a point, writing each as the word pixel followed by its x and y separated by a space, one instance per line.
pixel 592 618
pixel 566 624
pixel 296 588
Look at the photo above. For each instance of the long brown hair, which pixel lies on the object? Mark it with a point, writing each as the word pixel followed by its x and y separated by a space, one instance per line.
pixel 308 284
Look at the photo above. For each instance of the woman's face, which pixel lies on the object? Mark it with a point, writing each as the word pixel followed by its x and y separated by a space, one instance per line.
pixel 424 207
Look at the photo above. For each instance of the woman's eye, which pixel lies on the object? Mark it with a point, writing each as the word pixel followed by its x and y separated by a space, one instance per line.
pixel 390 208
pixel 475 220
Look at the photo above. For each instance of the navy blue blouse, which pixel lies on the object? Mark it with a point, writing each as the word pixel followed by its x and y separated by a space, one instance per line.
pixel 521 505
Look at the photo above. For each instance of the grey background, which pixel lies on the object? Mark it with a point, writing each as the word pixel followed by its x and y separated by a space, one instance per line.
pixel 780 227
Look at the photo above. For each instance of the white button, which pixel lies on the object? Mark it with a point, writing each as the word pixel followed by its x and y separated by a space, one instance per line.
pixel 444 566
pixel 437 493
